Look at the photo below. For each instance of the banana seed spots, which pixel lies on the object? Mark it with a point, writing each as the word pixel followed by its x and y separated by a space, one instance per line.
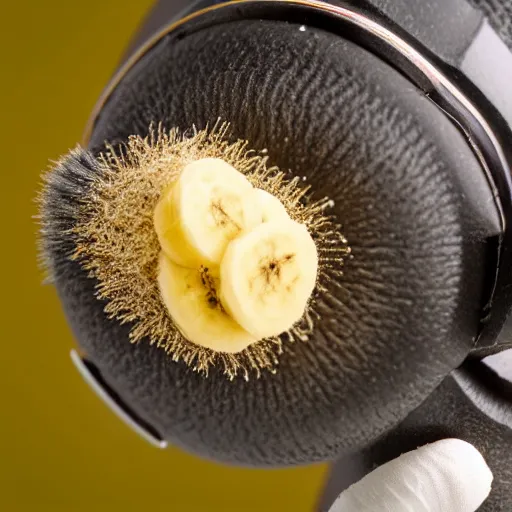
pixel 270 273
pixel 213 301
pixel 211 290
pixel 223 219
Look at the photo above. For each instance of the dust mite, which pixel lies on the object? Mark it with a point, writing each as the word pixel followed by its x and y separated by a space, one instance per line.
pixel 329 186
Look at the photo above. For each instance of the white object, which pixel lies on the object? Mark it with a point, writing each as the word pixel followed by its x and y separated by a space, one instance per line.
pixel 446 476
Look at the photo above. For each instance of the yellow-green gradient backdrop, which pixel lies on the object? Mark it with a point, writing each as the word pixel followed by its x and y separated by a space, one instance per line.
pixel 61 448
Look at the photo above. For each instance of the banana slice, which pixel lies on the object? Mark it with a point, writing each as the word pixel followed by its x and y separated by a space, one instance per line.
pixel 267 277
pixel 210 204
pixel 167 227
pixel 272 208
pixel 190 298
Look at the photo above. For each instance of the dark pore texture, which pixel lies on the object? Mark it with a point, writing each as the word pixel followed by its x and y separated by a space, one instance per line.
pixel 414 207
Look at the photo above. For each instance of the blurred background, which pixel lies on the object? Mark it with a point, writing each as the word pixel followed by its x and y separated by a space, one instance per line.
pixel 61 449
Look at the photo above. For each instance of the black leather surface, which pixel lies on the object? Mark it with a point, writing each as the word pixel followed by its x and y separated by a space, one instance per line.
pixel 403 181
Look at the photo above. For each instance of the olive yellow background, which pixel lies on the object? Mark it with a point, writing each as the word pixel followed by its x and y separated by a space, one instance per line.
pixel 61 449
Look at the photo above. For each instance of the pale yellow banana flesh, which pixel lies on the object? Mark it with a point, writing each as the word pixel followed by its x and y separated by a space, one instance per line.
pixel 195 311
pixel 234 267
pixel 210 204
pixel 272 208
pixel 267 277
pixel 168 227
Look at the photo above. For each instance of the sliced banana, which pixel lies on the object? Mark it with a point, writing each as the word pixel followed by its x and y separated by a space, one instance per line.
pixel 267 277
pixel 272 208
pixel 190 298
pixel 168 228
pixel 210 204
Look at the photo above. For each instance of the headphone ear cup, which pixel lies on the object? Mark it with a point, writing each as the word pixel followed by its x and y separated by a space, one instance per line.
pixel 402 181
pixel 446 27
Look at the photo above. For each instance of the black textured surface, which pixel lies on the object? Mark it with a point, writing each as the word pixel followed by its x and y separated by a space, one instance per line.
pixel 455 21
pixel 499 14
pixel 465 406
pixel 401 176
pixel 446 27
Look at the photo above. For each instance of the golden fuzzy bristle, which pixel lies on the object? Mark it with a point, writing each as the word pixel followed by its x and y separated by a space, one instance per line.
pixel 116 241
